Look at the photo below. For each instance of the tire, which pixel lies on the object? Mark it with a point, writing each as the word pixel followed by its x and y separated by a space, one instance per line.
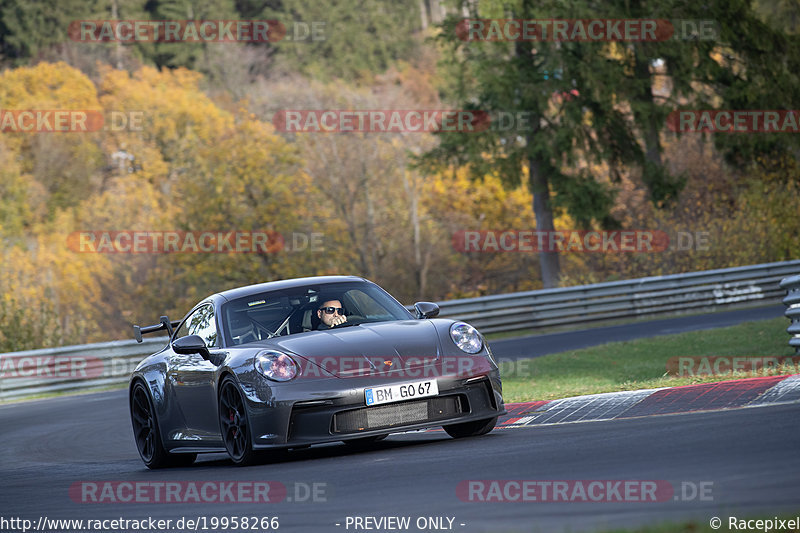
pixel 471 429
pixel 234 424
pixel 147 435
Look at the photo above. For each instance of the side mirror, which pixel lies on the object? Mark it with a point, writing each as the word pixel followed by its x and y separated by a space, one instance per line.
pixel 191 344
pixel 426 309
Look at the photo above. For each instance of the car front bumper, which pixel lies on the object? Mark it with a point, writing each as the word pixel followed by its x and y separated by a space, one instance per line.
pixel 335 410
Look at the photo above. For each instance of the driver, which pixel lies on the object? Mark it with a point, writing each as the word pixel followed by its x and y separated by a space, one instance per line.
pixel 330 314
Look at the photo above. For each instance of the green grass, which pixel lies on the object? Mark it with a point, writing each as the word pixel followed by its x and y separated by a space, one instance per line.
pixel 641 364
pixel 615 322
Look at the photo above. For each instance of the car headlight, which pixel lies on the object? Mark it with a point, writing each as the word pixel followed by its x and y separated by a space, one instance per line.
pixel 466 337
pixel 275 365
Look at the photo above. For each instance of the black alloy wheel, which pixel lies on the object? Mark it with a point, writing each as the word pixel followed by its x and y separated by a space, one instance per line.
pixel 147 435
pixel 234 425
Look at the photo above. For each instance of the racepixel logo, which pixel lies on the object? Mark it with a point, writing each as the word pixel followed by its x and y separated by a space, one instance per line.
pixel 116 492
pixel 581 490
pixel 586 30
pixel 721 365
pixel 166 242
pixel 68 121
pixel 560 241
pixel 734 121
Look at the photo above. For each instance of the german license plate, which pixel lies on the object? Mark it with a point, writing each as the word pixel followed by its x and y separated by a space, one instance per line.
pixel 399 393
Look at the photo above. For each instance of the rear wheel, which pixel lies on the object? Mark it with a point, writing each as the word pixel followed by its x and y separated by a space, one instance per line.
pixel 147 435
pixel 234 424
pixel 471 429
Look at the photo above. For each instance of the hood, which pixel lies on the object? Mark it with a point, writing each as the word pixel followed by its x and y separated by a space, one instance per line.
pixel 378 348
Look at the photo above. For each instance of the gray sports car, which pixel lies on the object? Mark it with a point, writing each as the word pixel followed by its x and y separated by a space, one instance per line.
pixel 292 363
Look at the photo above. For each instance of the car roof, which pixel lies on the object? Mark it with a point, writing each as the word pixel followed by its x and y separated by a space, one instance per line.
pixel 240 292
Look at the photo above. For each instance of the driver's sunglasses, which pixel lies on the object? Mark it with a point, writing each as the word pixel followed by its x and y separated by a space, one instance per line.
pixel 331 310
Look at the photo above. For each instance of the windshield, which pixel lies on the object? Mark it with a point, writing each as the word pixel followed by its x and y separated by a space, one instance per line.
pixel 289 312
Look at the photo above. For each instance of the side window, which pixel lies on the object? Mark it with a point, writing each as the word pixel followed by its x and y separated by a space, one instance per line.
pixel 367 306
pixel 202 323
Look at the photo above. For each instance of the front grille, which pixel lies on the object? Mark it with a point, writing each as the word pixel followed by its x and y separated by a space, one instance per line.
pixel 386 416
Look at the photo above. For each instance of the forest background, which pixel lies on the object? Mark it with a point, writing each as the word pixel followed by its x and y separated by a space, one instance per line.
pixel 208 157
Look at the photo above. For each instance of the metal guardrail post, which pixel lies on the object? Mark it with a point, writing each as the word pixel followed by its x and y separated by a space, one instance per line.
pixel 792 303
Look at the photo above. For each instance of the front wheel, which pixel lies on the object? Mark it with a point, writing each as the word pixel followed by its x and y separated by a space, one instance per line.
pixel 234 424
pixel 147 435
pixel 471 429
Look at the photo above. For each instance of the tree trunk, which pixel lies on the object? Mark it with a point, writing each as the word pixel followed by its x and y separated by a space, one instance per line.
pixel 369 232
pixel 424 12
pixel 537 167
pixel 650 128
pixel 118 46
pixel 420 263
pixel 543 211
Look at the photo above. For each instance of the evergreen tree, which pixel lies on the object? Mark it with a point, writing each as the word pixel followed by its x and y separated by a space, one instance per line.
pixel 358 37
pixel 592 104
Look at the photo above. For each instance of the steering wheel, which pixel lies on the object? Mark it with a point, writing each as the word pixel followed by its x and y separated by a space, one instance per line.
pixel 352 320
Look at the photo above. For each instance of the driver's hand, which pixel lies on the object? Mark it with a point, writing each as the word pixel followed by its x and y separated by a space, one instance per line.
pixel 338 319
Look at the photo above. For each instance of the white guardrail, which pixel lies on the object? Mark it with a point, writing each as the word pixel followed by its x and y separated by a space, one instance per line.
pixel 792 301
pixel 92 366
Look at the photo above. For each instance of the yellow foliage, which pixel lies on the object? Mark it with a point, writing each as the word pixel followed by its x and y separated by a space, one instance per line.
pixel 198 164
pixel 47 86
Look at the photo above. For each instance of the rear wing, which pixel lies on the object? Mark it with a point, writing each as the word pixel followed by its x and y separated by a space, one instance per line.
pixel 165 324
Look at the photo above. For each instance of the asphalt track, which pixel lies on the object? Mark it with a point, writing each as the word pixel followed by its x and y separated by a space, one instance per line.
pixel 745 460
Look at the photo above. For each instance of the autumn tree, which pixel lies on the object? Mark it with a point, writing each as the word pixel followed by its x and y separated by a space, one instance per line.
pixel 592 103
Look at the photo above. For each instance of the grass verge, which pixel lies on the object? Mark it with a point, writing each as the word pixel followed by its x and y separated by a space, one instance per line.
pixel 642 363
pixel 623 321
